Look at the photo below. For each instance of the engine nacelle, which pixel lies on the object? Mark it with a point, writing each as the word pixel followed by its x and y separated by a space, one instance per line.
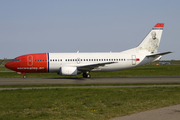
pixel 68 71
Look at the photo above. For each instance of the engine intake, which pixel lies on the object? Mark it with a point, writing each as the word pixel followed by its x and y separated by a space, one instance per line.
pixel 68 71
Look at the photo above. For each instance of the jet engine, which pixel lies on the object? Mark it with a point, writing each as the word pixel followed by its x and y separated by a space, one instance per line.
pixel 68 71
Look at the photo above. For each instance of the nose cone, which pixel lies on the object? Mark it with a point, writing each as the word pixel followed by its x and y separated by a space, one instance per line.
pixel 9 65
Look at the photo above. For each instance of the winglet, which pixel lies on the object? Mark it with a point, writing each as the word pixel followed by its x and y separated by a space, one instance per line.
pixel 159 25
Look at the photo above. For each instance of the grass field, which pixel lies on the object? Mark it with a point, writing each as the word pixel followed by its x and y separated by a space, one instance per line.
pixel 83 104
pixel 147 70
pixel 2 68
pixel 87 103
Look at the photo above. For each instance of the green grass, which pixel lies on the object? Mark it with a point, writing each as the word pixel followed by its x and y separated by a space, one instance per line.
pixel 147 70
pixel 2 68
pixel 83 104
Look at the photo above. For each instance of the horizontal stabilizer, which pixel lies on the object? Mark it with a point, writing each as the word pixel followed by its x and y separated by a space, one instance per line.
pixel 159 54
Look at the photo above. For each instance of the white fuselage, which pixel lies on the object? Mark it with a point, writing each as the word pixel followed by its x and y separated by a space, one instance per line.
pixel 121 61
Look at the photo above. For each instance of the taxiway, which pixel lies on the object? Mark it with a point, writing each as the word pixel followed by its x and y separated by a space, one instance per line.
pixel 76 80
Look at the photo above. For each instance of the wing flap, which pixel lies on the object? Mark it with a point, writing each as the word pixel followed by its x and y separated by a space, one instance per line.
pixel 93 66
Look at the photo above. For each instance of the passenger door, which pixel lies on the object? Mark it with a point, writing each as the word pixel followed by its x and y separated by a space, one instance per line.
pixel 30 60
pixel 133 59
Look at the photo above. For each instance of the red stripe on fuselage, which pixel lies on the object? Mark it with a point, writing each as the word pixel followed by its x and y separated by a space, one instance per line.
pixel 30 63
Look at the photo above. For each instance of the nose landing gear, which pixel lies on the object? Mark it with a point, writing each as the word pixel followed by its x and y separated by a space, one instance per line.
pixel 24 76
pixel 22 73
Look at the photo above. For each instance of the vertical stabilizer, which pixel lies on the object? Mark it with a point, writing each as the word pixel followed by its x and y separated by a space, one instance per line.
pixel 151 42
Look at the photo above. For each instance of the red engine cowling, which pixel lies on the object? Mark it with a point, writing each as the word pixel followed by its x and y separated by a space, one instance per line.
pixel 68 71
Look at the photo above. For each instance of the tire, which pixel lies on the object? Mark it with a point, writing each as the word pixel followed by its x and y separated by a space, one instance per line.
pixel 88 76
pixel 84 75
pixel 24 76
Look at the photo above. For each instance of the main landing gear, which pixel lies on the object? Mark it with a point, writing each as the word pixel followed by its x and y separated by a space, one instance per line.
pixel 86 75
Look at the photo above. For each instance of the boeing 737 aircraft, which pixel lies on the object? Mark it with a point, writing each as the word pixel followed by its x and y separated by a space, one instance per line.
pixel 71 64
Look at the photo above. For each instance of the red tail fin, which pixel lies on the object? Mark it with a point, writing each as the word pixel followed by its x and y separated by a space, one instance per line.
pixel 159 25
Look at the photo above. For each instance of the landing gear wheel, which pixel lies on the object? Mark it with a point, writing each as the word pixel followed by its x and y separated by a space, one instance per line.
pixel 24 76
pixel 86 75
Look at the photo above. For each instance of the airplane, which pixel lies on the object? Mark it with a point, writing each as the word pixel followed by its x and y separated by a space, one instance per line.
pixel 71 64
pixel 164 63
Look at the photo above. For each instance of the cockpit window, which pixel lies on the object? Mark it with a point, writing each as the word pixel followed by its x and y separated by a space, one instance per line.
pixel 16 60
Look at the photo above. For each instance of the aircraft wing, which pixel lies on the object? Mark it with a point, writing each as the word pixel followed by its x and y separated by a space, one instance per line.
pixel 159 54
pixel 92 66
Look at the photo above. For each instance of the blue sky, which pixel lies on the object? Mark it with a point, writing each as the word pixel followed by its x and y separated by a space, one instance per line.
pixel 38 26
